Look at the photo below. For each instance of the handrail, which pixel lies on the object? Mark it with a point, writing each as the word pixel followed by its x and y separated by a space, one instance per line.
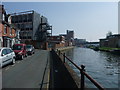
pixel 82 73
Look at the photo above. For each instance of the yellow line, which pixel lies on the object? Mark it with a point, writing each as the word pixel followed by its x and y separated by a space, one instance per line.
pixel 48 79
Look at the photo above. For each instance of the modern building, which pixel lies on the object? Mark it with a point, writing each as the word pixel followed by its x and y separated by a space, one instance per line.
pixel 33 27
pixel 28 22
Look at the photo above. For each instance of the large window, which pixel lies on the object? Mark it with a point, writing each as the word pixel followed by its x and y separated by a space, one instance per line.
pixel 5 29
pixel 30 17
pixel 10 31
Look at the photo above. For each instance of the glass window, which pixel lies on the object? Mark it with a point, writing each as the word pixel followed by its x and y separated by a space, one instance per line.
pixel 5 29
pixel 29 46
pixel 10 31
pixel 4 52
pixel 8 51
pixel 11 50
pixel 17 47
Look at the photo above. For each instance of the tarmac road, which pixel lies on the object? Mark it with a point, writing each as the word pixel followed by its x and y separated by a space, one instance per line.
pixel 32 72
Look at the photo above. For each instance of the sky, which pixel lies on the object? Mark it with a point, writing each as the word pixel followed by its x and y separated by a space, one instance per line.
pixel 89 20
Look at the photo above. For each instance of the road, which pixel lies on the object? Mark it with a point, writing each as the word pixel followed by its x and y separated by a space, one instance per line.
pixel 32 72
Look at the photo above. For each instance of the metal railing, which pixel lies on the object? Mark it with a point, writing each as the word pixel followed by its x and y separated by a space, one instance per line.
pixel 82 71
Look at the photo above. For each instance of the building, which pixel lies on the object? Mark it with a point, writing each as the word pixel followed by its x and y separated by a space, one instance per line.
pixel 2 17
pixel 103 43
pixel 1 40
pixel 79 42
pixel 70 38
pixel 33 27
pixel 28 22
pixel 7 30
pixel 56 41
pixel 112 41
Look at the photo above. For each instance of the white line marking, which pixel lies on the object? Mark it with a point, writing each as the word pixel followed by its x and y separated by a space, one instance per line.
pixel 7 68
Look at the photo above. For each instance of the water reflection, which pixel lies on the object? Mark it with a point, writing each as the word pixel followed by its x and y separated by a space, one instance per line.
pixel 102 66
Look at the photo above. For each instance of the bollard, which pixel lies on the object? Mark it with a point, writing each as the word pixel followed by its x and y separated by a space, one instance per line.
pixel 63 57
pixel 82 77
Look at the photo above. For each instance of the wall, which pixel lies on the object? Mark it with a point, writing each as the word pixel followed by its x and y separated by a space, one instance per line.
pixel 36 24
pixel 114 42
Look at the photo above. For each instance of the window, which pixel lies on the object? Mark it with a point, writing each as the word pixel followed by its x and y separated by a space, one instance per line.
pixel 4 52
pixel 17 47
pixel 29 17
pixel 5 29
pixel 10 31
pixel 8 51
pixel 25 18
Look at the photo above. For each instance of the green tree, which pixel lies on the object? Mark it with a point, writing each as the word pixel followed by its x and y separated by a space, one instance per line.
pixel 109 33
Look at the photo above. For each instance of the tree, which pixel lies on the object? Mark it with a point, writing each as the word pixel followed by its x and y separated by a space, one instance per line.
pixel 109 33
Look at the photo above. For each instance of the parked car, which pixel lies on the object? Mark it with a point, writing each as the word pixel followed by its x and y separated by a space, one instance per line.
pixel 7 56
pixel 20 51
pixel 30 49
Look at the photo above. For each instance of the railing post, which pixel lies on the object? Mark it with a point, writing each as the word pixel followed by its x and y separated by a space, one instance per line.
pixel 59 52
pixel 82 77
pixel 63 57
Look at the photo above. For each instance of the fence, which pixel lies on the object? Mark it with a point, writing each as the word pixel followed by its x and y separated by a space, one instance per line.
pixel 82 71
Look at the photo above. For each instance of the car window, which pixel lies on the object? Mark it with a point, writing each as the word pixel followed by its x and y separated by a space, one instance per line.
pixel 24 47
pixel 28 46
pixel 17 47
pixel 8 51
pixel 11 50
pixel 4 52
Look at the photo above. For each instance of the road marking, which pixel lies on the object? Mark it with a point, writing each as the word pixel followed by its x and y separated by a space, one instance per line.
pixel 13 65
pixel 7 68
pixel 18 62
pixel 48 79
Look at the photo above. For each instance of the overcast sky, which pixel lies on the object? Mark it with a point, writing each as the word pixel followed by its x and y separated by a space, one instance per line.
pixel 89 20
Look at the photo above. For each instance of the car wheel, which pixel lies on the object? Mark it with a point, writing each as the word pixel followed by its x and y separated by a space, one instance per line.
pixel 26 55
pixel 22 57
pixel 13 61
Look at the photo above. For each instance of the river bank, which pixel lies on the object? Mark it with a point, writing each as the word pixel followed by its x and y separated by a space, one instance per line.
pixel 107 49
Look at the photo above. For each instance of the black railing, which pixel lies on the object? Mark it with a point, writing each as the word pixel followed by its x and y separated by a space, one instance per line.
pixel 82 71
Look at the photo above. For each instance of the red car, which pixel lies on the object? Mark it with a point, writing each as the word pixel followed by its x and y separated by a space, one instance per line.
pixel 20 50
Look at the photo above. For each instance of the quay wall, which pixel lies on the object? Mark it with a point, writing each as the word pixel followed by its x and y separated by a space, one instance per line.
pixel 60 76
pixel 65 48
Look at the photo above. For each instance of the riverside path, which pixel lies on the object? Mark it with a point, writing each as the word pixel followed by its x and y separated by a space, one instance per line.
pixel 31 72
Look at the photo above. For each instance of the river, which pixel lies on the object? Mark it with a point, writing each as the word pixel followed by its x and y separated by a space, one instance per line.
pixel 102 66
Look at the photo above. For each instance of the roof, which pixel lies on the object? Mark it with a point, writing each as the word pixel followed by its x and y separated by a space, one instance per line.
pixel 4 47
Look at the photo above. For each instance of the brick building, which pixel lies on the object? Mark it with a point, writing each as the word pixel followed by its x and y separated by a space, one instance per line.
pixel 7 30
pixel 112 41
pixel 56 41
